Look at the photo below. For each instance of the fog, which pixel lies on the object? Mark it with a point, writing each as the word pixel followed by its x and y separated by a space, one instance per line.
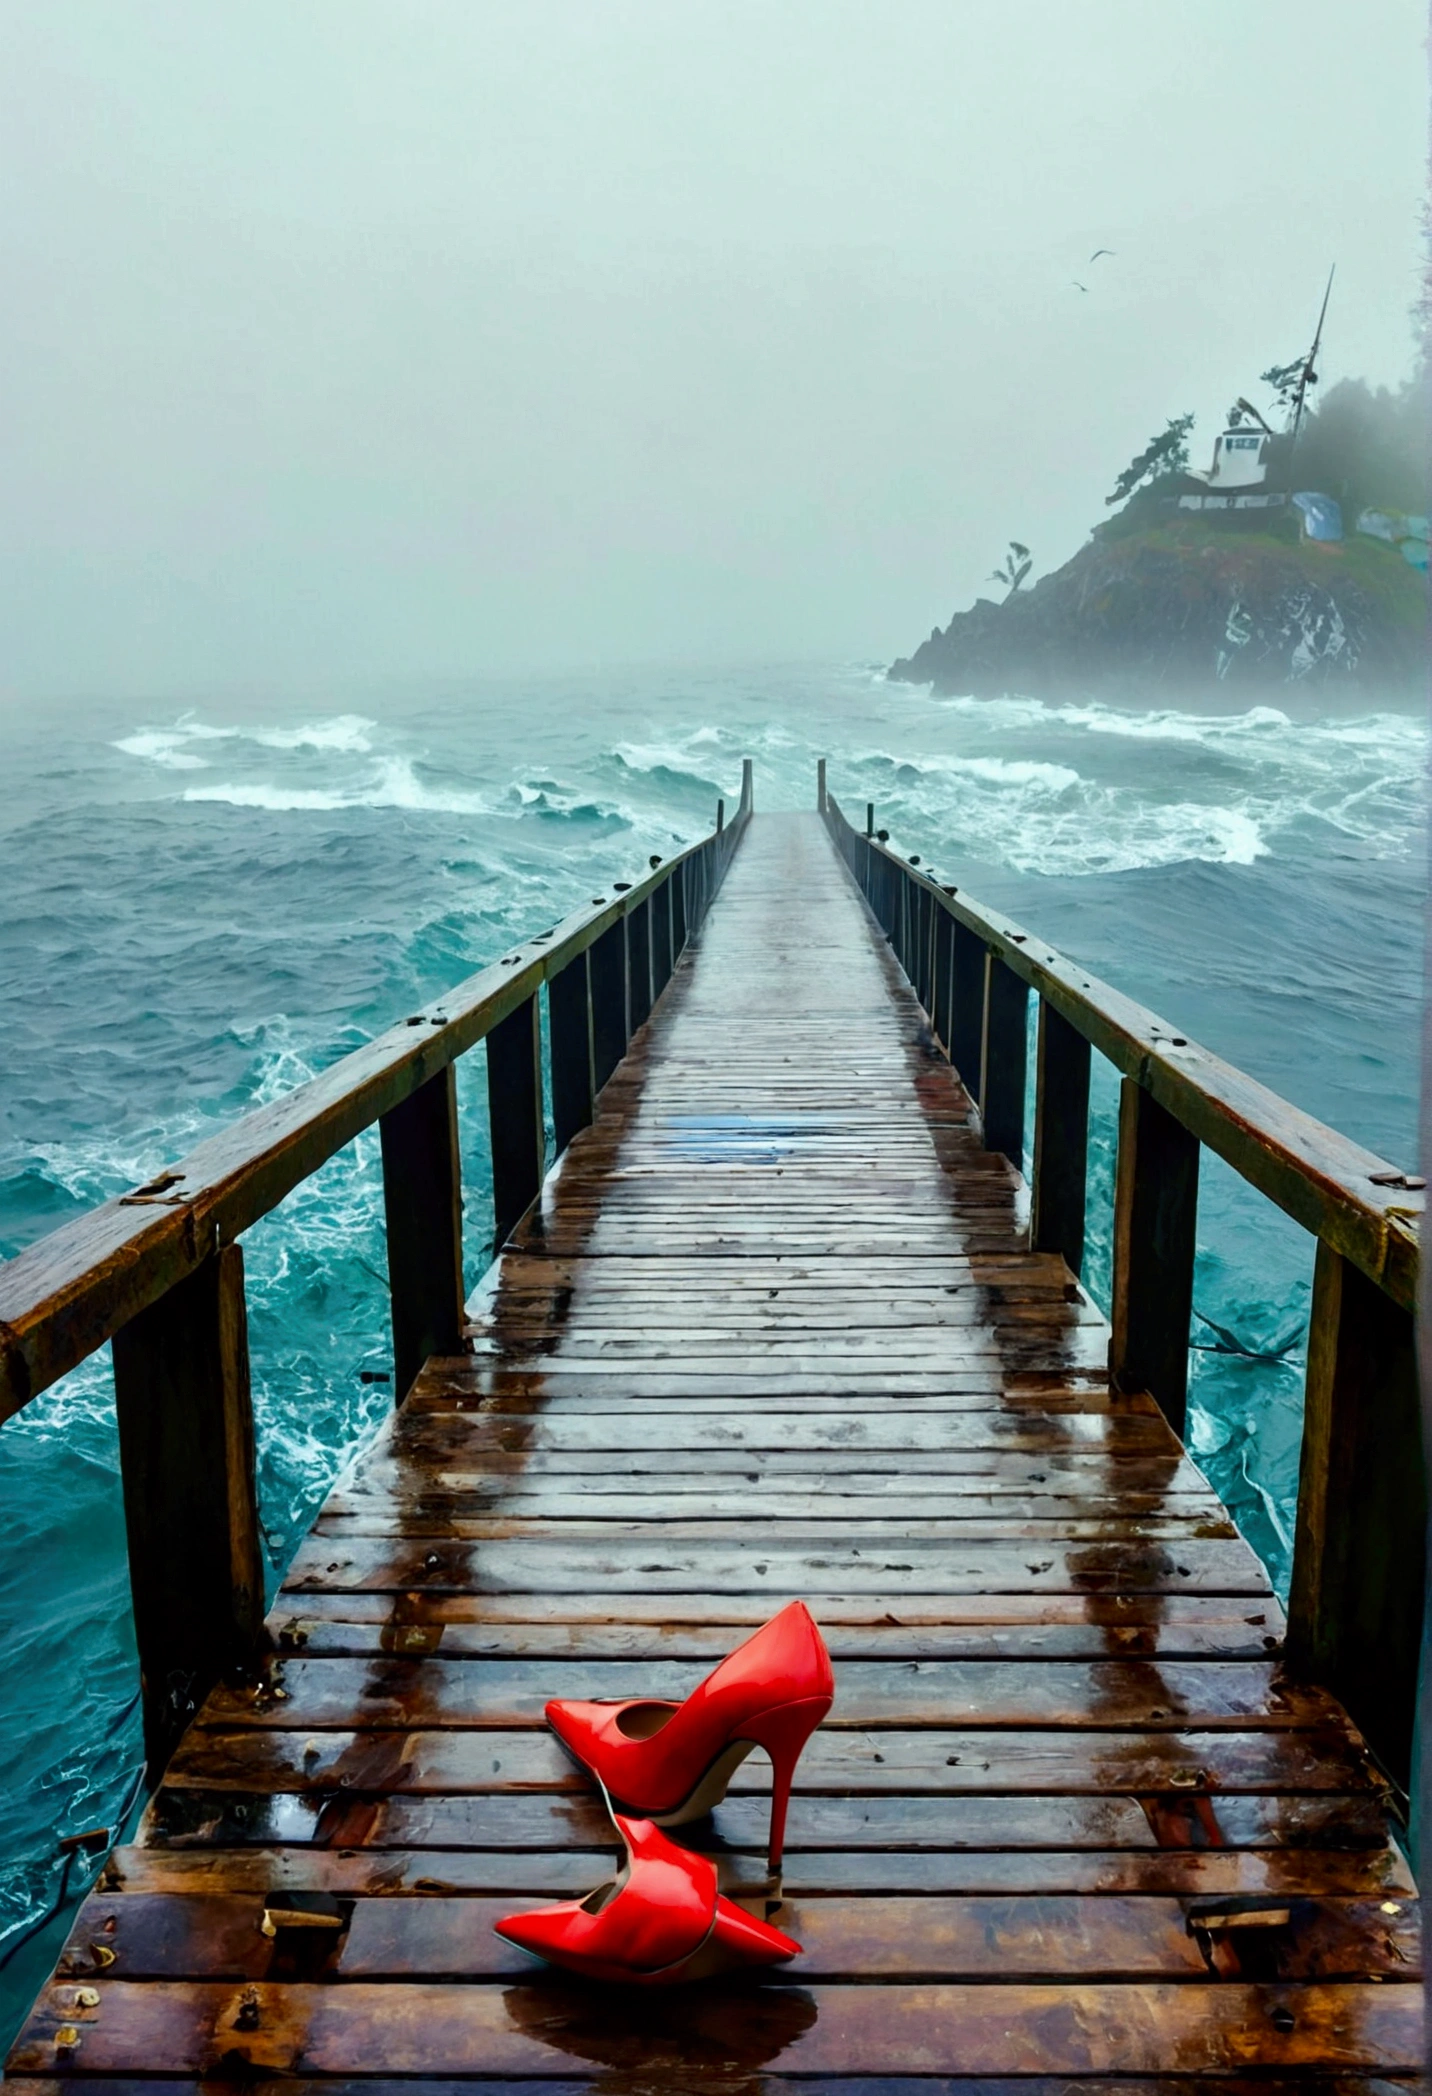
pixel 361 339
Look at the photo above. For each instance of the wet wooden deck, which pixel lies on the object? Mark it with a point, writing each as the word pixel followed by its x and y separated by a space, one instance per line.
pixel 773 1333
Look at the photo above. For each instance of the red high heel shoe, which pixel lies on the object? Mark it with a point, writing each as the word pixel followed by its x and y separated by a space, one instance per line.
pixel 673 1761
pixel 660 1920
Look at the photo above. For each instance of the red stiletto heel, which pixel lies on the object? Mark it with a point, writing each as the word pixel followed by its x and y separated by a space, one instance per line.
pixel 661 1920
pixel 671 1762
pixel 783 1733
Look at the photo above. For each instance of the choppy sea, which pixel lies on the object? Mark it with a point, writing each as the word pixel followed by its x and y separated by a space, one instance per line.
pixel 202 906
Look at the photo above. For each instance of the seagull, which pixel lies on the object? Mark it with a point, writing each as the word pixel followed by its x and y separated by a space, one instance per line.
pixel 1077 285
pixel 1101 251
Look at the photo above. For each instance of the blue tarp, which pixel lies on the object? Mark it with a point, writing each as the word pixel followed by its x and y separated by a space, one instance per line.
pixel 1322 518
pixel 1390 525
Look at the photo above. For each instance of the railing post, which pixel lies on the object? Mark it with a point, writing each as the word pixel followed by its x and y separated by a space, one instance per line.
pixel 607 959
pixel 677 886
pixel 748 790
pixel 186 1450
pixel 944 965
pixel 967 1001
pixel 925 964
pixel 1355 1610
pixel 1004 1055
pixel 820 785
pixel 1061 1138
pixel 569 1026
pixel 639 969
pixel 422 1204
pixel 661 956
pixel 720 817
pixel 514 1106
pixel 870 818
pixel 1155 1219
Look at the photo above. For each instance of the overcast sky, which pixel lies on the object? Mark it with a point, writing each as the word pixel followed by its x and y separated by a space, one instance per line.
pixel 351 338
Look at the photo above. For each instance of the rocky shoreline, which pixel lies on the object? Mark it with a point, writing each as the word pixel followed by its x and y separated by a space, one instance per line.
pixel 1189 608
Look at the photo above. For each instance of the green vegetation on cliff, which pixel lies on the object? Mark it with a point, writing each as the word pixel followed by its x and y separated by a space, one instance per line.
pixel 1162 602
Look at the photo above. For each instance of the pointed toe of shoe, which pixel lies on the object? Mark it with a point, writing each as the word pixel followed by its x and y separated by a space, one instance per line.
pixel 543 1933
pixel 747 1941
pixel 579 1726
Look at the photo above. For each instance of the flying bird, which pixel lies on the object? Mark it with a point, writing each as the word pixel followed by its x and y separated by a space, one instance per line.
pixel 1077 285
pixel 1101 251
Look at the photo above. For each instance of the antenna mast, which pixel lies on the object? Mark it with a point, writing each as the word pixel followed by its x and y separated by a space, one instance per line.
pixel 1308 376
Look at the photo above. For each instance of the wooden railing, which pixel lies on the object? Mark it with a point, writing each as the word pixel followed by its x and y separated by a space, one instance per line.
pixel 160 1271
pixel 1356 1603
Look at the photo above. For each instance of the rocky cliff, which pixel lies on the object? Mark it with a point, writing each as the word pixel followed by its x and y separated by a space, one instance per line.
pixel 1187 607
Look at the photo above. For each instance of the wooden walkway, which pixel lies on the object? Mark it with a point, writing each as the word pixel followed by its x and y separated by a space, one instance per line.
pixel 773 1333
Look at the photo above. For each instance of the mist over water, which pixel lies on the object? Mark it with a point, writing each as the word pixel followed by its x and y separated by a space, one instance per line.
pixel 208 904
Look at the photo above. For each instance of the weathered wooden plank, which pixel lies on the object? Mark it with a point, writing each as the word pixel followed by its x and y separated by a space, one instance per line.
pixel 470 1426
pixel 995 1387
pixel 471 1515
pixel 963 1833
pixel 302 1693
pixel 331 1626
pixel 666 1531
pixel 582 2083
pixel 947 1473
pixel 943 1762
pixel 563 1565
pixel 543 1861
pixel 905 1936
pixel 1116 1612
pixel 423 2029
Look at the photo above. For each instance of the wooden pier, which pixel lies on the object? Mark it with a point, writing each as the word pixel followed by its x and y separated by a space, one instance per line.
pixel 773 1329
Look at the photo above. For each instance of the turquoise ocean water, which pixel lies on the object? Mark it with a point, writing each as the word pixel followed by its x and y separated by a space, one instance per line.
pixel 204 905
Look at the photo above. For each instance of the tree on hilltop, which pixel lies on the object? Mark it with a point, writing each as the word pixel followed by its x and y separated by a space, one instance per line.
pixel 1165 453
pixel 1017 564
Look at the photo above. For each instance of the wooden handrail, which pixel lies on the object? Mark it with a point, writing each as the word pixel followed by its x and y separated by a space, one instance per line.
pixel 160 1270
pixel 1359 1550
pixel 1322 1179
pixel 65 1295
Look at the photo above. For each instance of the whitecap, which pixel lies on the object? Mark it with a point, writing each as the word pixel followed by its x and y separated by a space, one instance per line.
pixel 160 746
pixel 394 784
pixel 1170 725
pixel 347 734
pixel 1011 771
pixel 654 757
